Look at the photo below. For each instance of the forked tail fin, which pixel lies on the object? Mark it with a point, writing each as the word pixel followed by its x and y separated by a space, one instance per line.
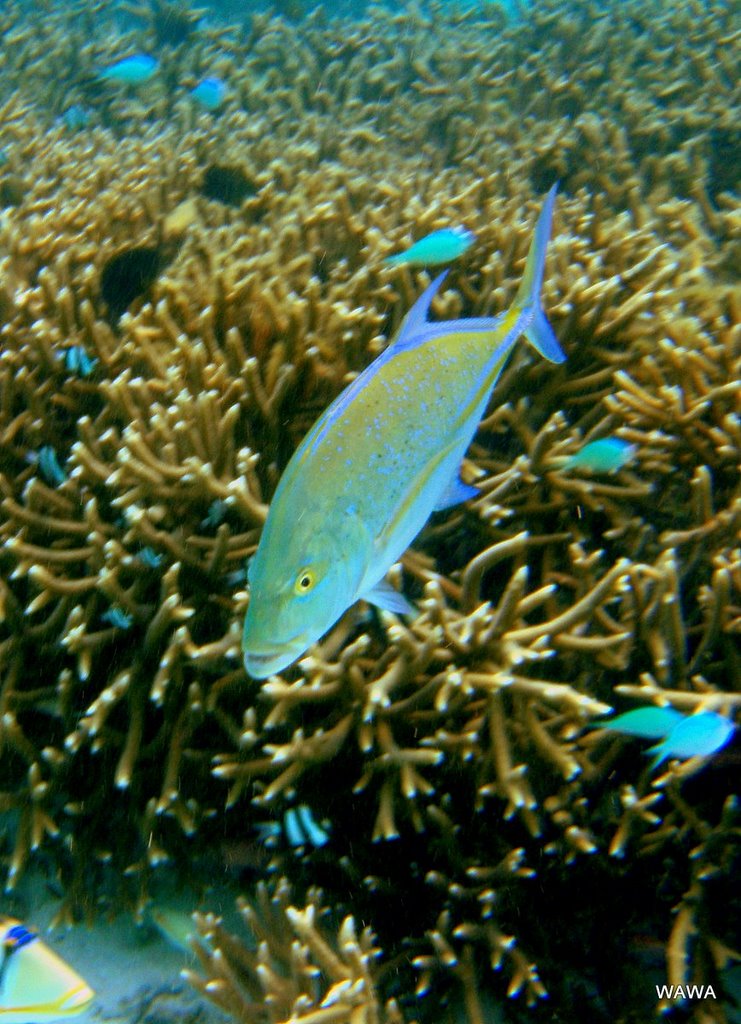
pixel 539 333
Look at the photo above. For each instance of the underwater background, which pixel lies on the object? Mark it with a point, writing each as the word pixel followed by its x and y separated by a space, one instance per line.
pixel 423 821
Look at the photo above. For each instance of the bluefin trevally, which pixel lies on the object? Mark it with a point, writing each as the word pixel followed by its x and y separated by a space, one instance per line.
pixel 131 70
pixel 210 93
pixel 648 723
pixel 606 455
pixel 377 462
pixel 436 248
pixel 697 735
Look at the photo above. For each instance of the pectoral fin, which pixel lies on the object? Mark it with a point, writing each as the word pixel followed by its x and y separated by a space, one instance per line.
pixel 384 596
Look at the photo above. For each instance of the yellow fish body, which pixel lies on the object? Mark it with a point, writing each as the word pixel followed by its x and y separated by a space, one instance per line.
pixel 379 460
pixel 35 983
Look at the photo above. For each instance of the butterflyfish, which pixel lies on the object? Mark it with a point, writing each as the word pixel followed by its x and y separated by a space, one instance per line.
pixel 606 455
pixel 434 249
pixel 377 462
pixel 697 735
pixel 36 985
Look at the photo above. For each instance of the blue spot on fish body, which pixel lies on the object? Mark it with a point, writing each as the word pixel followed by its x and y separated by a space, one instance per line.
pixel 606 455
pixel 209 93
pixel 434 249
pixel 19 936
pixel 131 70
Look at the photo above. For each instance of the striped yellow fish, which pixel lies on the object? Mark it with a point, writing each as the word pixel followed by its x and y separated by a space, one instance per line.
pixel 378 461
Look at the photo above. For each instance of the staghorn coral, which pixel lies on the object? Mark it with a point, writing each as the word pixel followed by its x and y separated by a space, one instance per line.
pixel 288 969
pixel 450 752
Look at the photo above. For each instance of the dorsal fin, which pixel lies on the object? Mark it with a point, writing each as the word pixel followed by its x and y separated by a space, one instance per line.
pixel 416 319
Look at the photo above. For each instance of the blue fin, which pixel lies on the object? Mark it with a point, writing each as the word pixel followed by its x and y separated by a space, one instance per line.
pixel 539 333
pixel 455 493
pixel 416 319
pixel 661 752
pixel 384 596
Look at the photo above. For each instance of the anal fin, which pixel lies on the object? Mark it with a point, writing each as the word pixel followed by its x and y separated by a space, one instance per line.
pixel 456 492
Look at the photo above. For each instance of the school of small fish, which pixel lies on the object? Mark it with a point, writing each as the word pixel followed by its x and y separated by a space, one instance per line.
pixel 139 69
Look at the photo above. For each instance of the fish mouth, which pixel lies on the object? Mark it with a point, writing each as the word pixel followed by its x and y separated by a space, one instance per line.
pixel 263 663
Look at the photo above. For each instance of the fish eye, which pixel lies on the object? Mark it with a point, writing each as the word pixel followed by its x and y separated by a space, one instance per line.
pixel 304 581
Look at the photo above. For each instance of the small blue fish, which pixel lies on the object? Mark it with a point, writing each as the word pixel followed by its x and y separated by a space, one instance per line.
pixel 131 70
pixel 210 93
pixel 439 247
pixel 49 467
pixel 75 118
pixel 298 827
pixel 118 618
pixel 604 456
pixel 149 557
pixel 697 735
pixel 77 361
pixel 648 723
pixel 216 514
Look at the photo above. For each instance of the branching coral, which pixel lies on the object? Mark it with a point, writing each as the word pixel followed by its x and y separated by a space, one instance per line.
pixel 288 969
pixel 450 752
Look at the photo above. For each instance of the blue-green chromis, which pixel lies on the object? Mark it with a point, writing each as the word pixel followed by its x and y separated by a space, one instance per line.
pixel 379 460
pixel 648 723
pixel 210 93
pixel 697 735
pixel 434 249
pixel 606 455
pixel 131 70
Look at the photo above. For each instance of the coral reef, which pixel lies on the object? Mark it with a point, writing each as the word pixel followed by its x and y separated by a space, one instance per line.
pixel 452 754
pixel 293 972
